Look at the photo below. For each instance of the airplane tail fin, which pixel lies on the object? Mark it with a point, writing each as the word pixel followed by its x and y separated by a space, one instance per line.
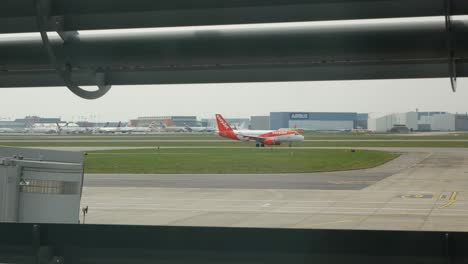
pixel 223 125
pixel 59 128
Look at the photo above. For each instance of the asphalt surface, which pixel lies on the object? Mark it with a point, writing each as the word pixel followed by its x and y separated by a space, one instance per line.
pixel 318 181
pixel 426 190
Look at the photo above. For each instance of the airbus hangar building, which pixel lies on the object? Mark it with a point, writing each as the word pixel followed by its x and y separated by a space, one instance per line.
pixel 318 121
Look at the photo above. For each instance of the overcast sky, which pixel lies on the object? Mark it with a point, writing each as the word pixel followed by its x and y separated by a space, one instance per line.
pixel 376 97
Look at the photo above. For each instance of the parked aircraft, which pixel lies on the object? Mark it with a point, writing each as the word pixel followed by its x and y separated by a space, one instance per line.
pixel 199 129
pixel 108 130
pixel 42 128
pixel 261 137
pixel 6 130
pixel 140 129
pixel 164 128
pixel 70 128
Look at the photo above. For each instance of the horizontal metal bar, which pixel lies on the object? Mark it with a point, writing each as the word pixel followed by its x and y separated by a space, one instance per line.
pixel 150 244
pixel 227 74
pixel 313 43
pixel 18 16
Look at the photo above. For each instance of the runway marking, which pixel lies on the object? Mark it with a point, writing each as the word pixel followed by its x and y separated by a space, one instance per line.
pixel 247 200
pixel 278 211
pixel 241 207
pixel 418 195
pixel 450 201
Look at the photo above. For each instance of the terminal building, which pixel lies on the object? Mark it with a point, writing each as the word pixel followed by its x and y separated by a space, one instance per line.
pixel 21 124
pixel 318 121
pixel 30 120
pixel 178 121
pixel 13 125
pixel 420 121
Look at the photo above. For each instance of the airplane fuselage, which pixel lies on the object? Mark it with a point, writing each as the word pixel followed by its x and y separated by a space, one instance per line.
pixel 278 136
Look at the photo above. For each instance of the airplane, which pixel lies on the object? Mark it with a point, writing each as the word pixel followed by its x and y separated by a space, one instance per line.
pixel 199 129
pixel 42 128
pixel 164 128
pixel 6 130
pixel 295 128
pixel 106 129
pixel 70 128
pixel 261 137
pixel 140 129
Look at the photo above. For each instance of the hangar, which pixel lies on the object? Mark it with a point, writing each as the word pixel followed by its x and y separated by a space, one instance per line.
pixel 318 121
pixel 421 121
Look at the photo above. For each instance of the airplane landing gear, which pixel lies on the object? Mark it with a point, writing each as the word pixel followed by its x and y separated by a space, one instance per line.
pixel 257 145
pixel 263 145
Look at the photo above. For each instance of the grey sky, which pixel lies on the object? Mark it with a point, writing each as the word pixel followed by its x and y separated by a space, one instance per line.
pixel 240 100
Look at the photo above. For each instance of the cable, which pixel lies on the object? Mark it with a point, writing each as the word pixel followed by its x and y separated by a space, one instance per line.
pixel 65 71
pixel 451 52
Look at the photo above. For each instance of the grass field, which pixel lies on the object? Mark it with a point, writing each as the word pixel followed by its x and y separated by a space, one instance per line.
pixel 253 160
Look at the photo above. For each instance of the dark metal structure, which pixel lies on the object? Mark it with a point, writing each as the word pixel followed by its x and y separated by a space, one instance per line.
pixel 20 15
pixel 356 45
pixel 315 50
pixel 52 243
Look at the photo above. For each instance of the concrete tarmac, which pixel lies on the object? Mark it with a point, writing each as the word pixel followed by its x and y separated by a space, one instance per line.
pixel 428 192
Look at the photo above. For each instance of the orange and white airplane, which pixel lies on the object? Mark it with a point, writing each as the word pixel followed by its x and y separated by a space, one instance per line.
pixel 261 137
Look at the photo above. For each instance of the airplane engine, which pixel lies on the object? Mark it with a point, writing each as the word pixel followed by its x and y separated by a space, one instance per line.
pixel 271 141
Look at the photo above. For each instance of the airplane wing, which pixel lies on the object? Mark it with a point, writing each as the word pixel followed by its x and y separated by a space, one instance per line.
pixel 251 138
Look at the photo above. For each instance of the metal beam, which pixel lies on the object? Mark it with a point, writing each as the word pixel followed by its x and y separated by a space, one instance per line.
pixel 314 72
pixel 250 47
pixel 150 244
pixel 19 15
pixel 308 52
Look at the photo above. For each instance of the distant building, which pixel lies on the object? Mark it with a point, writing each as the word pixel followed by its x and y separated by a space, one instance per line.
pixel 178 121
pixel 12 125
pixel 421 121
pixel 318 121
pixel 260 122
pixel 30 120
pixel 362 121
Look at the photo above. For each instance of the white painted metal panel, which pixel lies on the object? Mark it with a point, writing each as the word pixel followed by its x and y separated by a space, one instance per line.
pixel 39 186
pixel 8 194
